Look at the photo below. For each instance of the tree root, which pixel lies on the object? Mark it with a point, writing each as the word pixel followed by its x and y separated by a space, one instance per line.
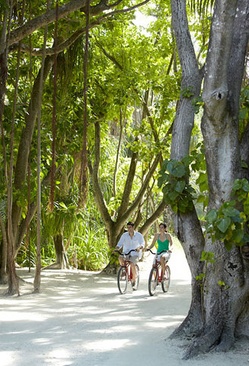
pixel 227 341
pixel 203 344
pixel 191 327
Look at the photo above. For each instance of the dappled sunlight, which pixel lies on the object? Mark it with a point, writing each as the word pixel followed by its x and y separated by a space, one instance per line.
pixel 58 353
pixel 7 358
pixel 87 312
pixel 116 329
pixel 15 316
pixel 108 345
pixel 42 341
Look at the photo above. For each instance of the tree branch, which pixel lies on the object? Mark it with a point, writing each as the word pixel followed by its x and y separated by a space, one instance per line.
pixel 49 17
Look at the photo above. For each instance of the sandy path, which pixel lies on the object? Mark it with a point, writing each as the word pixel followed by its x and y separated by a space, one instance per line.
pixel 80 319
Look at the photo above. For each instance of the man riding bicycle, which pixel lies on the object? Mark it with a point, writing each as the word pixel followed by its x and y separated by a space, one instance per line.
pixel 131 240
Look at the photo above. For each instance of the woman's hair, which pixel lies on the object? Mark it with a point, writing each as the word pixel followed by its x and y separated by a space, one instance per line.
pixel 164 225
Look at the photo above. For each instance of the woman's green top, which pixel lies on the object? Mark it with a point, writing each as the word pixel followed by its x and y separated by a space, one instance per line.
pixel 162 245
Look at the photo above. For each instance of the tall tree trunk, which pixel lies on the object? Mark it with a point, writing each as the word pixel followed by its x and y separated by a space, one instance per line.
pixel 25 146
pixel 8 165
pixel 61 259
pixel 3 79
pixel 225 291
pixel 187 225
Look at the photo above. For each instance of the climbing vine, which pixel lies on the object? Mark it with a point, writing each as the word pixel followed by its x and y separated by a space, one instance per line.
pixel 229 223
pixel 184 181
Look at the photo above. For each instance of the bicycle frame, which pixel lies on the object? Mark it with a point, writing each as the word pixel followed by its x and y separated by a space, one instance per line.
pixel 159 270
pixel 125 274
pixel 157 276
pixel 128 269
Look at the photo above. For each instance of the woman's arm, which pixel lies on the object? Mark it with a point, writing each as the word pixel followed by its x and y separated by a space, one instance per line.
pixel 170 241
pixel 153 241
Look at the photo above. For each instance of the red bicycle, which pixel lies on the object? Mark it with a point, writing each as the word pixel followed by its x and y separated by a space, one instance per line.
pixel 157 276
pixel 125 274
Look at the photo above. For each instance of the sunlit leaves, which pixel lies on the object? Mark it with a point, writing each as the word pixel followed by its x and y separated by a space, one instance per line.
pixel 207 257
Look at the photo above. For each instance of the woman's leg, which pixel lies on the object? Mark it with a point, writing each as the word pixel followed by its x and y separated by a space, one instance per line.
pixel 163 265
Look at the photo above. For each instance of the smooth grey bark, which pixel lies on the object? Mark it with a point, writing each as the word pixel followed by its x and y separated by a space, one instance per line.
pixel 187 225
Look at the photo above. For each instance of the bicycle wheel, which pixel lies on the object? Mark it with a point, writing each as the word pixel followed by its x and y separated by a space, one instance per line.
pixel 152 283
pixel 135 286
pixel 166 279
pixel 122 280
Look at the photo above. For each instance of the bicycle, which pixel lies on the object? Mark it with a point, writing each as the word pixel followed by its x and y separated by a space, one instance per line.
pixel 156 276
pixel 125 274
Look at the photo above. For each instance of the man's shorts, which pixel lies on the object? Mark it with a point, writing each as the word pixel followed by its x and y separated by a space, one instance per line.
pixel 133 258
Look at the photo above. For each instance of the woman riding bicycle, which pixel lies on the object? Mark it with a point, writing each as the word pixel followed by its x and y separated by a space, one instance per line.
pixel 164 243
pixel 131 240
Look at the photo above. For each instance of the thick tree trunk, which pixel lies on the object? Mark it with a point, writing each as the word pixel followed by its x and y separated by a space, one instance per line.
pixel 187 226
pixel 61 258
pixel 224 294
pixel 226 290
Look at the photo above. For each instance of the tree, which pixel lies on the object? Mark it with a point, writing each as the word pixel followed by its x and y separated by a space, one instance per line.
pixel 220 289
pixel 14 35
pixel 23 35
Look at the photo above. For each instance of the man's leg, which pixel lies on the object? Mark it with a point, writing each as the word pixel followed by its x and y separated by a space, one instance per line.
pixel 121 260
pixel 133 262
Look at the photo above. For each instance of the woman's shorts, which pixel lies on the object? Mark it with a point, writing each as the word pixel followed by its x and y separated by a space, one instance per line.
pixel 166 256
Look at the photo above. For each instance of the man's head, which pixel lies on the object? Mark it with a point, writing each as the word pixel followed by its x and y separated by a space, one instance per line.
pixel 130 226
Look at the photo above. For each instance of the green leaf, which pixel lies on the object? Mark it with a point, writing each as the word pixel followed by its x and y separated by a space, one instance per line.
pixel 62 205
pixel 173 195
pixel 176 168
pixel 211 216
pixel 207 256
pixel 162 179
pixel 223 224
pixel 231 212
pixel 238 236
pixel 180 185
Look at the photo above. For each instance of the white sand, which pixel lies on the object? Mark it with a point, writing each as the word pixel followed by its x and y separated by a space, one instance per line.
pixel 80 319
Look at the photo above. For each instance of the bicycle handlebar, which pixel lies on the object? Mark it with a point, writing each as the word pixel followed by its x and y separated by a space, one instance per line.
pixel 132 250
pixel 163 251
